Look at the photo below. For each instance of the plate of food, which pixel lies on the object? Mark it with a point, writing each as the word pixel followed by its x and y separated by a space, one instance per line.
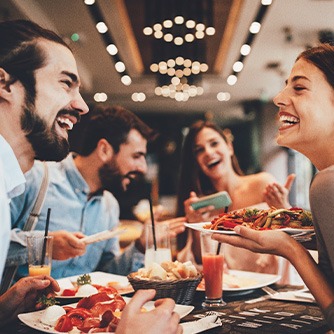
pixel 243 281
pixel 292 221
pixel 85 285
pixel 91 312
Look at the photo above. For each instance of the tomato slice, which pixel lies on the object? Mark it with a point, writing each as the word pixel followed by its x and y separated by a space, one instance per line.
pixel 64 324
pixel 69 292
pixel 78 315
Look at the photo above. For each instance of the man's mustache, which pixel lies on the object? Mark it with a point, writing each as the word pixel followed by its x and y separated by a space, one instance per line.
pixel 72 112
pixel 134 175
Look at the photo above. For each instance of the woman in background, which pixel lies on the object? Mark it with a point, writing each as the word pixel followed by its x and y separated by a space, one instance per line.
pixel 306 114
pixel 209 165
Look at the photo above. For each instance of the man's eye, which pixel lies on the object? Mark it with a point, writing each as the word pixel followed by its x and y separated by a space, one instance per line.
pixel 298 88
pixel 68 83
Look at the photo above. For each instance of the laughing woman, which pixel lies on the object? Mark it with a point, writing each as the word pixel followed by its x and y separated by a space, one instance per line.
pixel 209 165
pixel 306 112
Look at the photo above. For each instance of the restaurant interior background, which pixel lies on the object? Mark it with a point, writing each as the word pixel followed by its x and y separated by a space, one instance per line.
pixel 175 61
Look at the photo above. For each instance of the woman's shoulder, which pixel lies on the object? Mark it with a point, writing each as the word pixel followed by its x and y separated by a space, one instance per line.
pixel 262 178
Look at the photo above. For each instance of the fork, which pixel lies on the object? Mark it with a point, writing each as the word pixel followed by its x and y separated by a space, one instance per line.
pixel 269 291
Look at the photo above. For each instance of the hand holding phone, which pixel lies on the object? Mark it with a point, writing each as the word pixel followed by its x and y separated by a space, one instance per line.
pixel 219 200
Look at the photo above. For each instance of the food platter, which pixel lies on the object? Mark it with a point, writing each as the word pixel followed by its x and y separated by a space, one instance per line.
pixel 200 227
pixel 244 281
pixel 32 319
pixel 120 283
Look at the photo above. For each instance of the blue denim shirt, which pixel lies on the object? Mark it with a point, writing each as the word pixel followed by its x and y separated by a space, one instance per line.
pixel 72 209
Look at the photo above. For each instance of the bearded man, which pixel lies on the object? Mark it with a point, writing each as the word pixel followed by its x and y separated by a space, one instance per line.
pixel 112 154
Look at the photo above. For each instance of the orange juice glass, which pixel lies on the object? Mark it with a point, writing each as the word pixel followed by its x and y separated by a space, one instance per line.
pixel 213 264
pixel 39 254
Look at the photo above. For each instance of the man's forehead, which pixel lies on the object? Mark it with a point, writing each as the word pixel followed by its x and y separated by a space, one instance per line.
pixel 58 56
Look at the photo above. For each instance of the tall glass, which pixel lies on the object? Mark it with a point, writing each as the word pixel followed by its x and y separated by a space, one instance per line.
pixel 213 265
pixel 39 254
pixel 163 251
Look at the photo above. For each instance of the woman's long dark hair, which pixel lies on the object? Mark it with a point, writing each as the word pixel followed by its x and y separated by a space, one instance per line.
pixel 191 178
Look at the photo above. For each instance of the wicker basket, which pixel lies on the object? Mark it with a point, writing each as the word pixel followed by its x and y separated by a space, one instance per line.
pixel 181 290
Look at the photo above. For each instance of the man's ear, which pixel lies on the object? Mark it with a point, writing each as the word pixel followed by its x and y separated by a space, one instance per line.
pixel 5 83
pixel 105 150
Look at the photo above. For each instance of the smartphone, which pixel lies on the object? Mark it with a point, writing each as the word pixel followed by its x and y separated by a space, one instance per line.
pixel 219 200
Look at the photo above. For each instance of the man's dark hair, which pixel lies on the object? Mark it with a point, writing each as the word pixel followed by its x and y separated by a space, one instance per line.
pixel 20 54
pixel 114 125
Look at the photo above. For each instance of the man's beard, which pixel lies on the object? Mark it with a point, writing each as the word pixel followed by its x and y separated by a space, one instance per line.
pixel 47 143
pixel 110 177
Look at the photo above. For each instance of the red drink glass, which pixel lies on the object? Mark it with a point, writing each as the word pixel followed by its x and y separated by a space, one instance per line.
pixel 213 264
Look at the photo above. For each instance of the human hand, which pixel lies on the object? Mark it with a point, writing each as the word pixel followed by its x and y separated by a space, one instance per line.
pixel 67 244
pixel 23 295
pixel 160 320
pixel 200 215
pixel 277 195
pixel 271 242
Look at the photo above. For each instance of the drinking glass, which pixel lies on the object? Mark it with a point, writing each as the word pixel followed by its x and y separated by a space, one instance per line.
pixel 213 264
pixel 39 254
pixel 163 251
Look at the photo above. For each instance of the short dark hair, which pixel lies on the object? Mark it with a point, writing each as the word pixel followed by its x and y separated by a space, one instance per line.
pixel 20 54
pixel 113 124
pixel 321 56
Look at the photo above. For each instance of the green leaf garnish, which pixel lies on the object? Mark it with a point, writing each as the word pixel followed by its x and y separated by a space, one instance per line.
pixel 84 279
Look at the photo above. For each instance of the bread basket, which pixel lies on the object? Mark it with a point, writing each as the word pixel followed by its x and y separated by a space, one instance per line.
pixel 181 290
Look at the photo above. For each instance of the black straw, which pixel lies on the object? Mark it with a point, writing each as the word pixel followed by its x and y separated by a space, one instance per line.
pixel 45 235
pixel 152 221
pixel 219 244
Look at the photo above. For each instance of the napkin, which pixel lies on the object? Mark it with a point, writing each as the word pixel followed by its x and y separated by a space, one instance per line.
pixel 201 325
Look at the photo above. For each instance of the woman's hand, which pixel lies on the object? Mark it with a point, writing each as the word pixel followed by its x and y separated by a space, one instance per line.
pixel 271 242
pixel 277 195
pixel 200 215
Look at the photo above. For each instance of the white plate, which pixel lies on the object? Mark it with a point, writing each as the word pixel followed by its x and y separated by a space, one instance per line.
pixel 98 277
pixel 246 280
pixel 32 319
pixel 200 227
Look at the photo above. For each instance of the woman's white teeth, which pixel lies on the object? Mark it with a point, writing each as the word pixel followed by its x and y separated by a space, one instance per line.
pixel 288 119
pixel 63 121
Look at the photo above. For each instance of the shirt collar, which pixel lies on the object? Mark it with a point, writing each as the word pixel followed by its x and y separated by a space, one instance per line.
pixel 14 178
pixel 74 176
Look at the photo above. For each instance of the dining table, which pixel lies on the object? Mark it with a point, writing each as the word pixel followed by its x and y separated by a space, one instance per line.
pixel 240 317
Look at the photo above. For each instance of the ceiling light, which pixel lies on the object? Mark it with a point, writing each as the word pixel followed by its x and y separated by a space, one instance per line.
pixel 147 31
pixel 179 60
pixel 200 26
pixel 75 37
pixel 199 34
pixel 89 2
pixel 120 67
pixel 168 23
pixel 168 37
pixel 154 67
pixel 190 24
pixel 245 49
pixel 126 80
pixel 210 31
pixel 158 34
pixel 187 63
pixel 178 40
pixel 189 38
pixel 232 79
pixel 204 67
pixel 157 27
pixel 170 62
pixel 266 2
pixel 112 49
pixel 255 27
pixel 238 66
pixel 100 97
pixel 179 19
pixel 101 27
